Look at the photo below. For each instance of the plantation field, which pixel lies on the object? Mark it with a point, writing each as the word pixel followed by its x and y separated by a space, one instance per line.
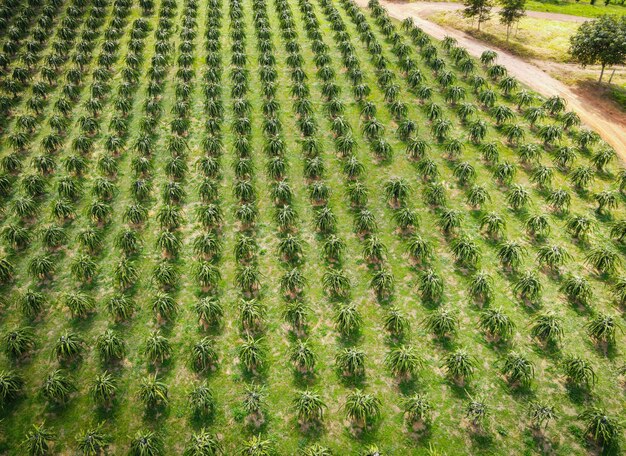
pixel 296 227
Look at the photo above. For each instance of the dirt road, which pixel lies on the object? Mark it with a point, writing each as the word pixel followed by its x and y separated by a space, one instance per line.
pixel 595 112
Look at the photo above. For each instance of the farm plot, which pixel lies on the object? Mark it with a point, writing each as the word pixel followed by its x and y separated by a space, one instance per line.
pixel 284 226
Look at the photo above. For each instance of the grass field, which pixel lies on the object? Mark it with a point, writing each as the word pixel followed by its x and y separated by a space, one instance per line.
pixel 206 203
pixel 534 38
pixel 577 8
pixel 574 8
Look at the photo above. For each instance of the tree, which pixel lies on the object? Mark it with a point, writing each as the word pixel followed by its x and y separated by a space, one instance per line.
pixel 110 346
pixel 254 405
pixel 548 328
pixel 56 387
pixel 479 9
pixel 68 347
pixel 443 322
pixel 603 328
pixel 601 41
pixel 204 357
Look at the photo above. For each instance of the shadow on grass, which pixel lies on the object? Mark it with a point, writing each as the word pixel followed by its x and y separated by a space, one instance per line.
pixel 201 420
pixel 578 394
pixel 482 441
pixel 303 379
pixel 352 381
pixel 157 414
pixel 537 441
pixel 461 391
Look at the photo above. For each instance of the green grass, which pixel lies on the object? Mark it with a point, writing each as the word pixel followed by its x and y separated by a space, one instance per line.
pixel 508 429
pixel 574 8
pixel 618 94
pixel 535 38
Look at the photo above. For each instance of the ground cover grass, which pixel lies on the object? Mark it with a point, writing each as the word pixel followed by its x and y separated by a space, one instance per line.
pixel 534 38
pixel 574 8
pixel 154 113
pixel 619 95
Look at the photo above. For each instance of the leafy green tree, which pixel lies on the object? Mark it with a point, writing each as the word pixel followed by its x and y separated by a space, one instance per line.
pixel 303 357
pixel 547 327
pixel 603 328
pixel 479 9
pixel 371 450
pixel 56 387
pixel 204 357
pixel 110 346
pixel 443 322
pixel 417 411
pixel 317 450
pixel 68 347
pixel 601 41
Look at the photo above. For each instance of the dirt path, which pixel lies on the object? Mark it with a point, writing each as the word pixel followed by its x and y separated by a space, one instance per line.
pixel 597 113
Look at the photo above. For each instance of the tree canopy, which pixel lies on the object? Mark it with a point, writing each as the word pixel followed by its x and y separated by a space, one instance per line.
pixel 511 12
pixel 601 41
pixel 479 9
